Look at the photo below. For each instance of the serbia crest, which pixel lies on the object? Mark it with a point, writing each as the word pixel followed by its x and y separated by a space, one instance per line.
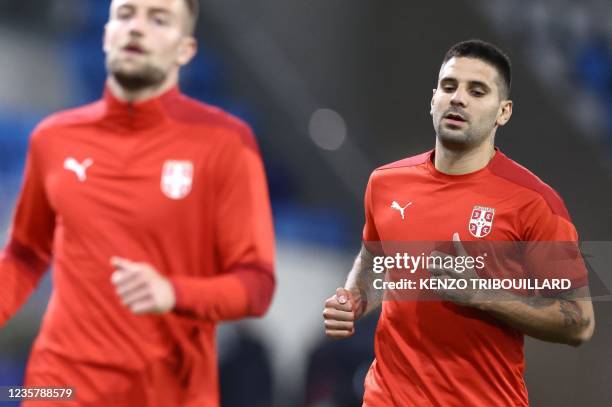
pixel 176 178
pixel 481 221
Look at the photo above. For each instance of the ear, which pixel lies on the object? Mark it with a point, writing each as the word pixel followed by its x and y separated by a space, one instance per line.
pixel 105 39
pixel 505 112
pixel 433 94
pixel 187 50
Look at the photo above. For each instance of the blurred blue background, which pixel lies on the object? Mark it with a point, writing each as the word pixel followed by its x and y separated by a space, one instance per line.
pixel 334 89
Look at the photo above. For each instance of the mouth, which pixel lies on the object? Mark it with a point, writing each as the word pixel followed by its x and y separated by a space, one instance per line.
pixel 134 48
pixel 455 118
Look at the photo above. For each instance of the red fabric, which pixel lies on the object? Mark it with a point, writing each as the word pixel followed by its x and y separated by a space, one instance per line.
pixel 212 237
pixel 100 385
pixel 437 353
pixel 28 252
pixel 22 270
pixel 225 297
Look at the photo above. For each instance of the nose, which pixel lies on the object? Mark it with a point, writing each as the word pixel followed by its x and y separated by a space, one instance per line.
pixel 136 25
pixel 459 98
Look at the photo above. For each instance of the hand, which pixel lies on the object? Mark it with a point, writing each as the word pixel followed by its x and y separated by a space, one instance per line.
pixel 467 296
pixel 340 313
pixel 142 288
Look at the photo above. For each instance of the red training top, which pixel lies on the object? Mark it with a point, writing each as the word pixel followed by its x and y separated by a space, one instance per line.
pixel 437 353
pixel 168 181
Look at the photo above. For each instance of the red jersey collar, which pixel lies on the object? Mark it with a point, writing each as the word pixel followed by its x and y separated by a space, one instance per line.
pixel 462 177
pixel 138 115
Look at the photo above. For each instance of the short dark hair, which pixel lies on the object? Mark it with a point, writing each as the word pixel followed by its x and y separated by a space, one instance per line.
pixel 193 7
pixel 488 53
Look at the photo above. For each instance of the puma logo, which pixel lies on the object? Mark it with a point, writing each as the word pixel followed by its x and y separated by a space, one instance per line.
pixel 78 168
pixel 401 209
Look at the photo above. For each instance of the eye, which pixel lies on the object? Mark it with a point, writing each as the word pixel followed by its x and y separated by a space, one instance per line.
pixel 161 20
pixel 448 88
pixel 477 92
pixel 124 13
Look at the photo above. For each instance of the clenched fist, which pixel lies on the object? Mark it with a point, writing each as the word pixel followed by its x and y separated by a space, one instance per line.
pixel 141 288
pixel 340 313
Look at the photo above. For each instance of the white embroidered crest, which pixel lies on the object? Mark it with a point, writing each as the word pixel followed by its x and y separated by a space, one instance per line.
pixel 481 221
pixel 176 179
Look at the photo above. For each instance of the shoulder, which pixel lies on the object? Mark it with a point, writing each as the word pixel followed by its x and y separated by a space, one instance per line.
pixel 413 161
pixel 54 124
pixel 541 194
pixel 71 117
pixel 400 167
pixel 192 112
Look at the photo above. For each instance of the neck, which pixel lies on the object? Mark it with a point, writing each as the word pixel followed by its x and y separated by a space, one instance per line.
pixel 463 162
pixel 140 95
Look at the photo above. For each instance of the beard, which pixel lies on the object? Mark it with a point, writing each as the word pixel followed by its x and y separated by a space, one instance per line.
pixel 470 135
pixel 148 76
pixel 456 140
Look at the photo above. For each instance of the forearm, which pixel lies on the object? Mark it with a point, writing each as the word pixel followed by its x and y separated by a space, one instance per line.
pixel 20 271
pixel 244 292
pixel 360 282
pixel 561 320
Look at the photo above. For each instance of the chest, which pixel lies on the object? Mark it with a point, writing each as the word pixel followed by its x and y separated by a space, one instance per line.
pixel 139 180
pixel 425 212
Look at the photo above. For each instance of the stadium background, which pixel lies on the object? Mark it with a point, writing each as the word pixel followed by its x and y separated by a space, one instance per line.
pixel 333 89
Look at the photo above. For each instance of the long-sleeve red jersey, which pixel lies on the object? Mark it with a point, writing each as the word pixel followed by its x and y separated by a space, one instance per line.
pixel 169 181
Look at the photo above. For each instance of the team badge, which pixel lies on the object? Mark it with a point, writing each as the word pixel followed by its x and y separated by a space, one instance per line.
pixel 176 179
pixel 481 221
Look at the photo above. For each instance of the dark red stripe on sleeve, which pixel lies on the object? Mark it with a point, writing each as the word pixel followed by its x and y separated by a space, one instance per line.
pixel 508 169
pixel 22 253
pixel 260 283
pixel 245 291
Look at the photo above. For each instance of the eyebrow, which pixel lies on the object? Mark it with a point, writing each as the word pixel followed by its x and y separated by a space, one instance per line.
pixel 154 10
pixel 126 6
pixel 472 83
